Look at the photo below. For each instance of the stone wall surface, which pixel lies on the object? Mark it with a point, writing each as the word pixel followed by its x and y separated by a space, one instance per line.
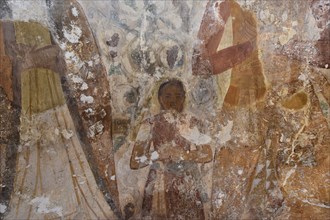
pixel 134 109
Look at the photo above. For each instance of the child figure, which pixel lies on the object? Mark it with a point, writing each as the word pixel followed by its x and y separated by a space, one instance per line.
pixel 171 143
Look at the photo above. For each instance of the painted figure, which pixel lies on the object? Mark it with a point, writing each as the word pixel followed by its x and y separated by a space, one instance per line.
pixel 215 53
pixel 53 178
pixel 227 46
pixel 172 144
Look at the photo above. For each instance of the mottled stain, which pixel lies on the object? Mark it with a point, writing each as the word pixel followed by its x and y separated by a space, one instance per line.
pixel 113 42
pixel 296 101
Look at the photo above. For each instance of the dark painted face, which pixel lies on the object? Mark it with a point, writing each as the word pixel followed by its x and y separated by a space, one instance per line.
pixel 172 97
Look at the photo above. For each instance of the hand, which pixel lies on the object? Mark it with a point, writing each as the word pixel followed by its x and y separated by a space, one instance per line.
pixel 224 9
pixel 170 152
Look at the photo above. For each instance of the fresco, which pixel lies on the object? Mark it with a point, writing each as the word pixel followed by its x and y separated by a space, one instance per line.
pixel 174 186
pixel 164 109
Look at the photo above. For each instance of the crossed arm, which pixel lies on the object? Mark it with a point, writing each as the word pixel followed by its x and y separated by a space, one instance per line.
pixel 141 155
pixel 206 59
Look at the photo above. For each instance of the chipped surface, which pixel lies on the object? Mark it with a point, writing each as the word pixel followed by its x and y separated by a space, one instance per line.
pixel 240 132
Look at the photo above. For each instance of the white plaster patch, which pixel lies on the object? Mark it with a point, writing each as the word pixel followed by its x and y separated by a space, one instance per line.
pixel 89 111
pixel 268 172
pixel 62 46
pixel 84 86
pixel 72 35
pixel 3 208
pixel 103 113
pixel 288 175
pixel 282 138
pixel 193 135
pixel 141 159
pixel 76 79
pixel 67 134
pixel 29 10
pixel 169 117
pixel 219 199
pixel 154 155
pixel 302 77
pixel 152 57
pixel 96 59
pixel 316 204
pixel 90 63
pixel 259 168
pixel 95 129
pixel 143 30
pixel 287 35
pixel 255 183
pixel 224 134
pixel 75 12
pixel 113 177
pixel 86 99
pixel 44 206
pixel 240 172
pixel 285 16
pixel 71 56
